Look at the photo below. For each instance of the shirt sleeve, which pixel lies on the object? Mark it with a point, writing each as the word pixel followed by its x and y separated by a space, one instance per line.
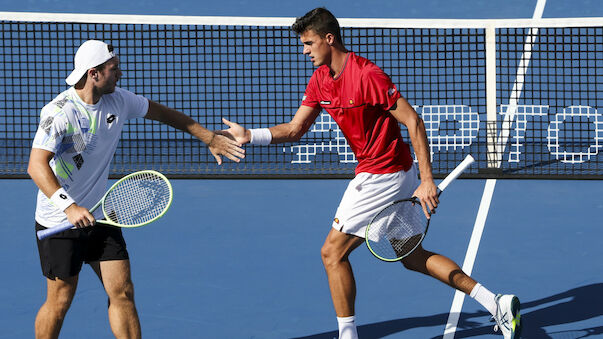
pixel 136 106
pixel 310 97
pixel 51 130
pixel 378 89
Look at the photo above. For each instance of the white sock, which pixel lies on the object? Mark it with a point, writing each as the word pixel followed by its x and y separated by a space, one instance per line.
pixel 483 296
pixel 347 328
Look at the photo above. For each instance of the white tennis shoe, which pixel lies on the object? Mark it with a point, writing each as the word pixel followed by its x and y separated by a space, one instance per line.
pixel 508 317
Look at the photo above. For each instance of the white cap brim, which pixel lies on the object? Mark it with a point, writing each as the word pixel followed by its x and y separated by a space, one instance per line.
pixel 75 76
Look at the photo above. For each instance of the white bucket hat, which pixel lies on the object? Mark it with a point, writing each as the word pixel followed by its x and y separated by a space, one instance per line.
pixel 90 54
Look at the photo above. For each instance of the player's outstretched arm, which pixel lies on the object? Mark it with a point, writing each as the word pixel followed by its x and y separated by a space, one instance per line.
pixel 287 132
pixel 218 144
pixel 427 191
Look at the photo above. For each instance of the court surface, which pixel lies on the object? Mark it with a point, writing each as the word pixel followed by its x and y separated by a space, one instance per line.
pixel 241 258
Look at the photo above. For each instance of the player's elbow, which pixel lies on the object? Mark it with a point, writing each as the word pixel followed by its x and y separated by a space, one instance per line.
pixel 30 170
pixel 34 170
pixel 414 122
pixel 37 160
pixel 295 136
pixel 295 132
pixel 31 165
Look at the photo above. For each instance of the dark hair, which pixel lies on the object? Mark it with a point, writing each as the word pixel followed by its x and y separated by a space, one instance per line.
pixel 321 21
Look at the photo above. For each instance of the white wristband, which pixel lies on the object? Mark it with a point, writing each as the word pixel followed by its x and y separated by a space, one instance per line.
pixel 61 199
pixel 260 136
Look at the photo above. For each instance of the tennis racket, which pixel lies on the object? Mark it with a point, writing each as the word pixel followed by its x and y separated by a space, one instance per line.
pixel 135 200
pixel 400 227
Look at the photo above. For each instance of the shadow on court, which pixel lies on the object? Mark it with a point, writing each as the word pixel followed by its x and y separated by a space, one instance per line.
pixel 384 328
pixel 578 304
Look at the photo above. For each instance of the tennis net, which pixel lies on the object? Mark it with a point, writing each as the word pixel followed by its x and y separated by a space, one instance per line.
pixel 522 96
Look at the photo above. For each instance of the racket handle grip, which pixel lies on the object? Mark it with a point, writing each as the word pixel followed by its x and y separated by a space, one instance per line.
pixel 54 230
pixel 456 172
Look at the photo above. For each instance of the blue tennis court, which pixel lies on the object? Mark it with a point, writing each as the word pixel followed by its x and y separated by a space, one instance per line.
pixel 241 258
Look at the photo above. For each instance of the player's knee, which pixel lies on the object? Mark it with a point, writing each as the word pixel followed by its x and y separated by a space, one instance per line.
pixel 324 253
pixel 59 298
pixel 121 294
pixel 59 303
pixel 331 255
pixel 416 261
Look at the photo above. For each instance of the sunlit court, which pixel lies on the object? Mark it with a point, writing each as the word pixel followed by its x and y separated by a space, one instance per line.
pixel 234 251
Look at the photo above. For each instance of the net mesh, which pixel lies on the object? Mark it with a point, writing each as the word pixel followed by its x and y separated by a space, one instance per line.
pixel 397 230
pixel 138 199
pixel 558 129
pixel 256 76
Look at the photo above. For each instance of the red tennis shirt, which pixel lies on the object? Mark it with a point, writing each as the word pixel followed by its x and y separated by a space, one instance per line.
pixel 359 100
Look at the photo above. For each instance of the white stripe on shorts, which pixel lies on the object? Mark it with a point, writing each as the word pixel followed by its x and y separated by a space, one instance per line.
pixel 367 194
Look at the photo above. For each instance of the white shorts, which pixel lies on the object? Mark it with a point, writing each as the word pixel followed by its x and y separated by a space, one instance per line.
pixel 367 194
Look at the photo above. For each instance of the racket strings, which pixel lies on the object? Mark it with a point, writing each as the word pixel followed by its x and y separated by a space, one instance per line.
pixel 137 199
pixel 397 230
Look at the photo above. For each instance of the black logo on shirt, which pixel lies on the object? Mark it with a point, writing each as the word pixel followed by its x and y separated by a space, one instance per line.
pixel 78 160
pixel 60 103
pixel 46 124
pixel 63 196
pixel 110 118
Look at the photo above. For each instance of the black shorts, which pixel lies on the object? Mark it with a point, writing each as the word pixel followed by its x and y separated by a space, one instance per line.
pixel 62 255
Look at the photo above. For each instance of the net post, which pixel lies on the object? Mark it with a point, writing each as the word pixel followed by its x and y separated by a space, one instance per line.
pixel 491 128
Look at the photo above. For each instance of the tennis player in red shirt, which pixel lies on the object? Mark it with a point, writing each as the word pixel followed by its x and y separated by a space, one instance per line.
pixel 368 108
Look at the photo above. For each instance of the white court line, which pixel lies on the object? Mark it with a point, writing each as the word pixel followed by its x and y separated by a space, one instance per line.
pixel 484 207
pixel 476 236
